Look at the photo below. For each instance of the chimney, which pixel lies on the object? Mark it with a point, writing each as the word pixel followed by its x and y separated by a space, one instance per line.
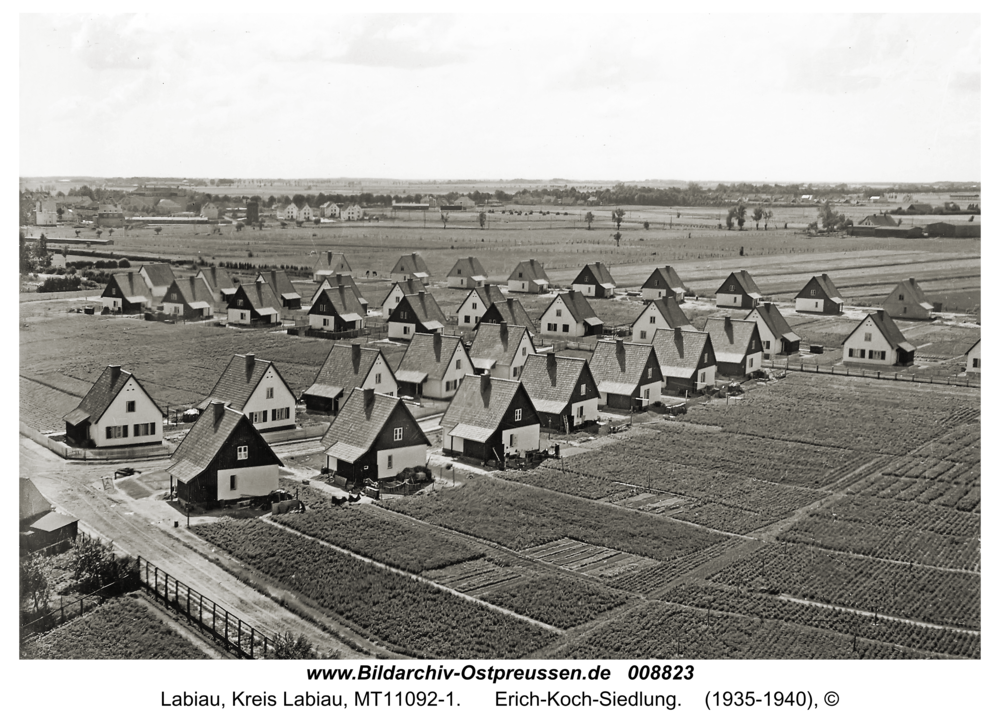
pixel 329 258
pixel 620 347
pixel 503 332
pixel 369 397
pixel 218 410
pixel 131 284
pixel 414 256
pixel 250 361
pixel 729 322
pixel 485 383
pixel 913 280
pixel 274 279
pixel 678 333
pixel 437 345
pixel 115 372
pixel 550 360
pixel 356 354
pixel 259 293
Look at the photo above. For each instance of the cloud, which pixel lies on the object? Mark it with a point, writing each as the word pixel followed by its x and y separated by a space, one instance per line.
pixel 109 43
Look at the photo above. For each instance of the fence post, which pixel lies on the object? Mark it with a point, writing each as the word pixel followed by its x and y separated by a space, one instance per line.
pixel 227 631
pixel 251 642
pixel 156 581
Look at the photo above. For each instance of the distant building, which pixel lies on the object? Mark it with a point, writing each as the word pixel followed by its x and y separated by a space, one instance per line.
pixel 739 290
pixel 337 310
pixel 974 358
pixel 396 294
pixel 908 302
pixel 253 212
pixel 570 315
pixel 188 298
pixel 210 211
pixel 46 213
pixel 466 273
pixel 954 229
pixel 410 266
pixel 530 277
pixel 878 341
pixel 416 313
pixel 664 282
pixel 339 280
pixel 220 284
pixel 283 287
pixel 352 213
pixel 595 280
pixel 158 278
pixel 331 264
pixel 127 293
pixel 330 210
pixel 254 304
pixel 659 314
pixel 821 296
pixel 877 220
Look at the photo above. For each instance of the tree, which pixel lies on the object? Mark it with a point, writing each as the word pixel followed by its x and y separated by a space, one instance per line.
pixel 444 219
pixel 618 216
pixel 298 200
pixel 284 225
pixel 768 214
pixel 239 226
pixel 758 214
pixel 645 225
pixel 589 218
pixel 289 647
pixel 618 238
pixel 99 232
pixel 482 220
pixel 828 217
pixel 158 230
pixel 34 581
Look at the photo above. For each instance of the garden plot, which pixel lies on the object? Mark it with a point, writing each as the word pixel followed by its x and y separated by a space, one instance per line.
pixel 595 561
pixel 475 577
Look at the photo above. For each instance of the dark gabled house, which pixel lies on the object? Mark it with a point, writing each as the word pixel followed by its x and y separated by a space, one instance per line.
pixel 500 350
pixel 908 302
pixel 570 314
pixel 877 341
pixel 189 298
pixel 222 458
pixel 467 272
pixel 348 367
pixel 254 304
pixel 562 389
pixel 283 288
pixel 256 388
pixel 490 418
pixel 339 280
pixel 433 366
pixel 663 313
pixel 820 296
pixel 116 411
pixel 737 345
pixel 128 293
pixel 739 290
pixel 331 264
pixel 397 292
pixel 528 276
pixel 510 311
pixel 337 310
pixel 916 208
pixel 628 374
pixel 220 283
pixel 475 304
pixel 416 313
pixel 687 359
pixel 776 334
pixel 374 437
pixel 664 282
pixel 595 280
pixel 410 266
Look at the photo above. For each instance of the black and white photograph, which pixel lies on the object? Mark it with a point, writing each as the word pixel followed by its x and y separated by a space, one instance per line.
pixel 591 360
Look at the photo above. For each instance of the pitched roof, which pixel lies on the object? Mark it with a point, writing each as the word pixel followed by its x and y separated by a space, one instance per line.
pixel 428 356
pixel 745 281
pixel 618 366
pixel 354 431
pixel 669 277
pixel 238 381
pixel 53 521
pixel 730 338
pixel 101 395
pixel 578 306
pixel 332 262
pixel 679 350
pixel 215 280
pixel 532 269
pixel 280 283
pixel 261 296
pixel 913 292
pixel 194 291
pixel 425 307
pixel 160 274
pixel 512 312
pixel 343 301
pixel 488 294
pixel 334 281
pixel 973 346
pixel 826 285
pixel 879 220
pixel 205 439
pixel 498 343
pixel 31 500
pixel 887 326
pixel 345 368
pixel 669 310
pixel 600 273
pixel 478 407
pixel 468 267
pixel 409 287
pixel 550 380
pixel 412 264
pixel 775 321
pixel 133 286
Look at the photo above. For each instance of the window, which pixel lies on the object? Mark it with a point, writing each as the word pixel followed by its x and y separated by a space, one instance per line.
pixel 652 319
pixel 242 453
pixel 388 462
pixel 565 328
pixel 579 412
pixel 326 322
pixel 704 358
pixel 520 275
pixel 816 306
pixel 812 293
pixel 513 372
pixel 458 364
pixel 901 298
pixel 129 406
pixel 280 414
pixel 517 414
pixel 550 326
pixel 583 388
pixel 143 429
pixel 116 431
pixel 645 394
pixel 406 330
pixel 975 362
pixel 398 298
pixel 904 310
pixel 475 305
pixel 871 354
pixel 513 440
pixel 868 337
pixel 378 378
pixel 270 393
pixel 232 483
pixel 650 372
pixel 642 334
pixel 732 288
pixel 239 302
pixel 450 385
pixel 397 434
pixel 850 352
pixel 558 313
pixel 243 315
pixel 173 296
pixel 767 344
pixel 881 355
pixel 701 376
pixel 402 314
pixel 524 350
pixel 467 319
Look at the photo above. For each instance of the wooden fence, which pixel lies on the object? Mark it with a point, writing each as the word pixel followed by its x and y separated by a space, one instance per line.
pixel 887 374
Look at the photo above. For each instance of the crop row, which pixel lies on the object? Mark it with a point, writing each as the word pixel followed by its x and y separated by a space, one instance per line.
pixel 520 517
pixel 903 514
pixel 650 579
pixel 664 631
pixel 547 476
pixel 962 495
pixel 881 587
pixel 411 615
pixel 890 631
pixel 962 445
pixel 560 601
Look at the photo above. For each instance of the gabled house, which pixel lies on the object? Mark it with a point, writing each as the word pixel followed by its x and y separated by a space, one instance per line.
pixel 908 302
pixel 330 210
pixel 664 282
pixel 116 411
pixel 821 296
pixel 476 303
pixel 877 220
pixel 189 298
pixel 738 348
pixel 338 280
pixel 337 310
pixel 296 212
pixel 255 387
pixel 528 277
pixel 409 266
pixel 331 264
pixel 660 314
pixel 628 374
pixel 351 213
pixel 415 313
pixel 158 278
pixel 687 359
pixel 594 280
pixel 374 437
pixel 776 334
pixel 570 315
pixel 510 311
pixel 433 366
pixel 739 290
pixel 500 350
pixel 283 287
pixel 917 208
pixel 222 458
pixel 220 284
pixel 128 293
pixel 396 294
pixel 254 304
pixel 489 419
pixel 467 272
pixel 562 389
pixel 974 359
pixel 877 341
pixel 348 367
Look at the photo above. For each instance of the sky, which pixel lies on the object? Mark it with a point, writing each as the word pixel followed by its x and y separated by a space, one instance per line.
pixel 761 97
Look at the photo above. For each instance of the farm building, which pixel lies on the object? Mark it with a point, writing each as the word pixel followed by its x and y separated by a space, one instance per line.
pixel 255 304
pixel 397 292
pixel 32 505
pixel 664 282
pixel 820 295
pixel 348 367
pixel 112 215
pixel 595 280
pixel 222 458
pixel 433 366
pixel 687 359
pixel 53 528
pixel 189 298
pixel 128 293
pixel 659 314
pixel 352 213
pixel 415 313
pixel 467 272
pixel 562 389
pixel 954 229
pixel 489 419
pixel 877 220
pixel 528 277
pixel 627 374
pixel 974 358
pixel 570 315
pixel 877 341
pixel 116 411
pixel 510 311
pixel 158 277
pixel 776 334
pixel 908 302
pixel 330 210
pixel 739 290
pixel 410 266
pixel 283 287
pixel 737 345
pixel 476 303
pixel 920 209
pixel 220 284
pixel 500 350
pixel 330 264
pixel 337 310
pixel 256 388
pixel 374 437
pixel 210 211
pixel 338 280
